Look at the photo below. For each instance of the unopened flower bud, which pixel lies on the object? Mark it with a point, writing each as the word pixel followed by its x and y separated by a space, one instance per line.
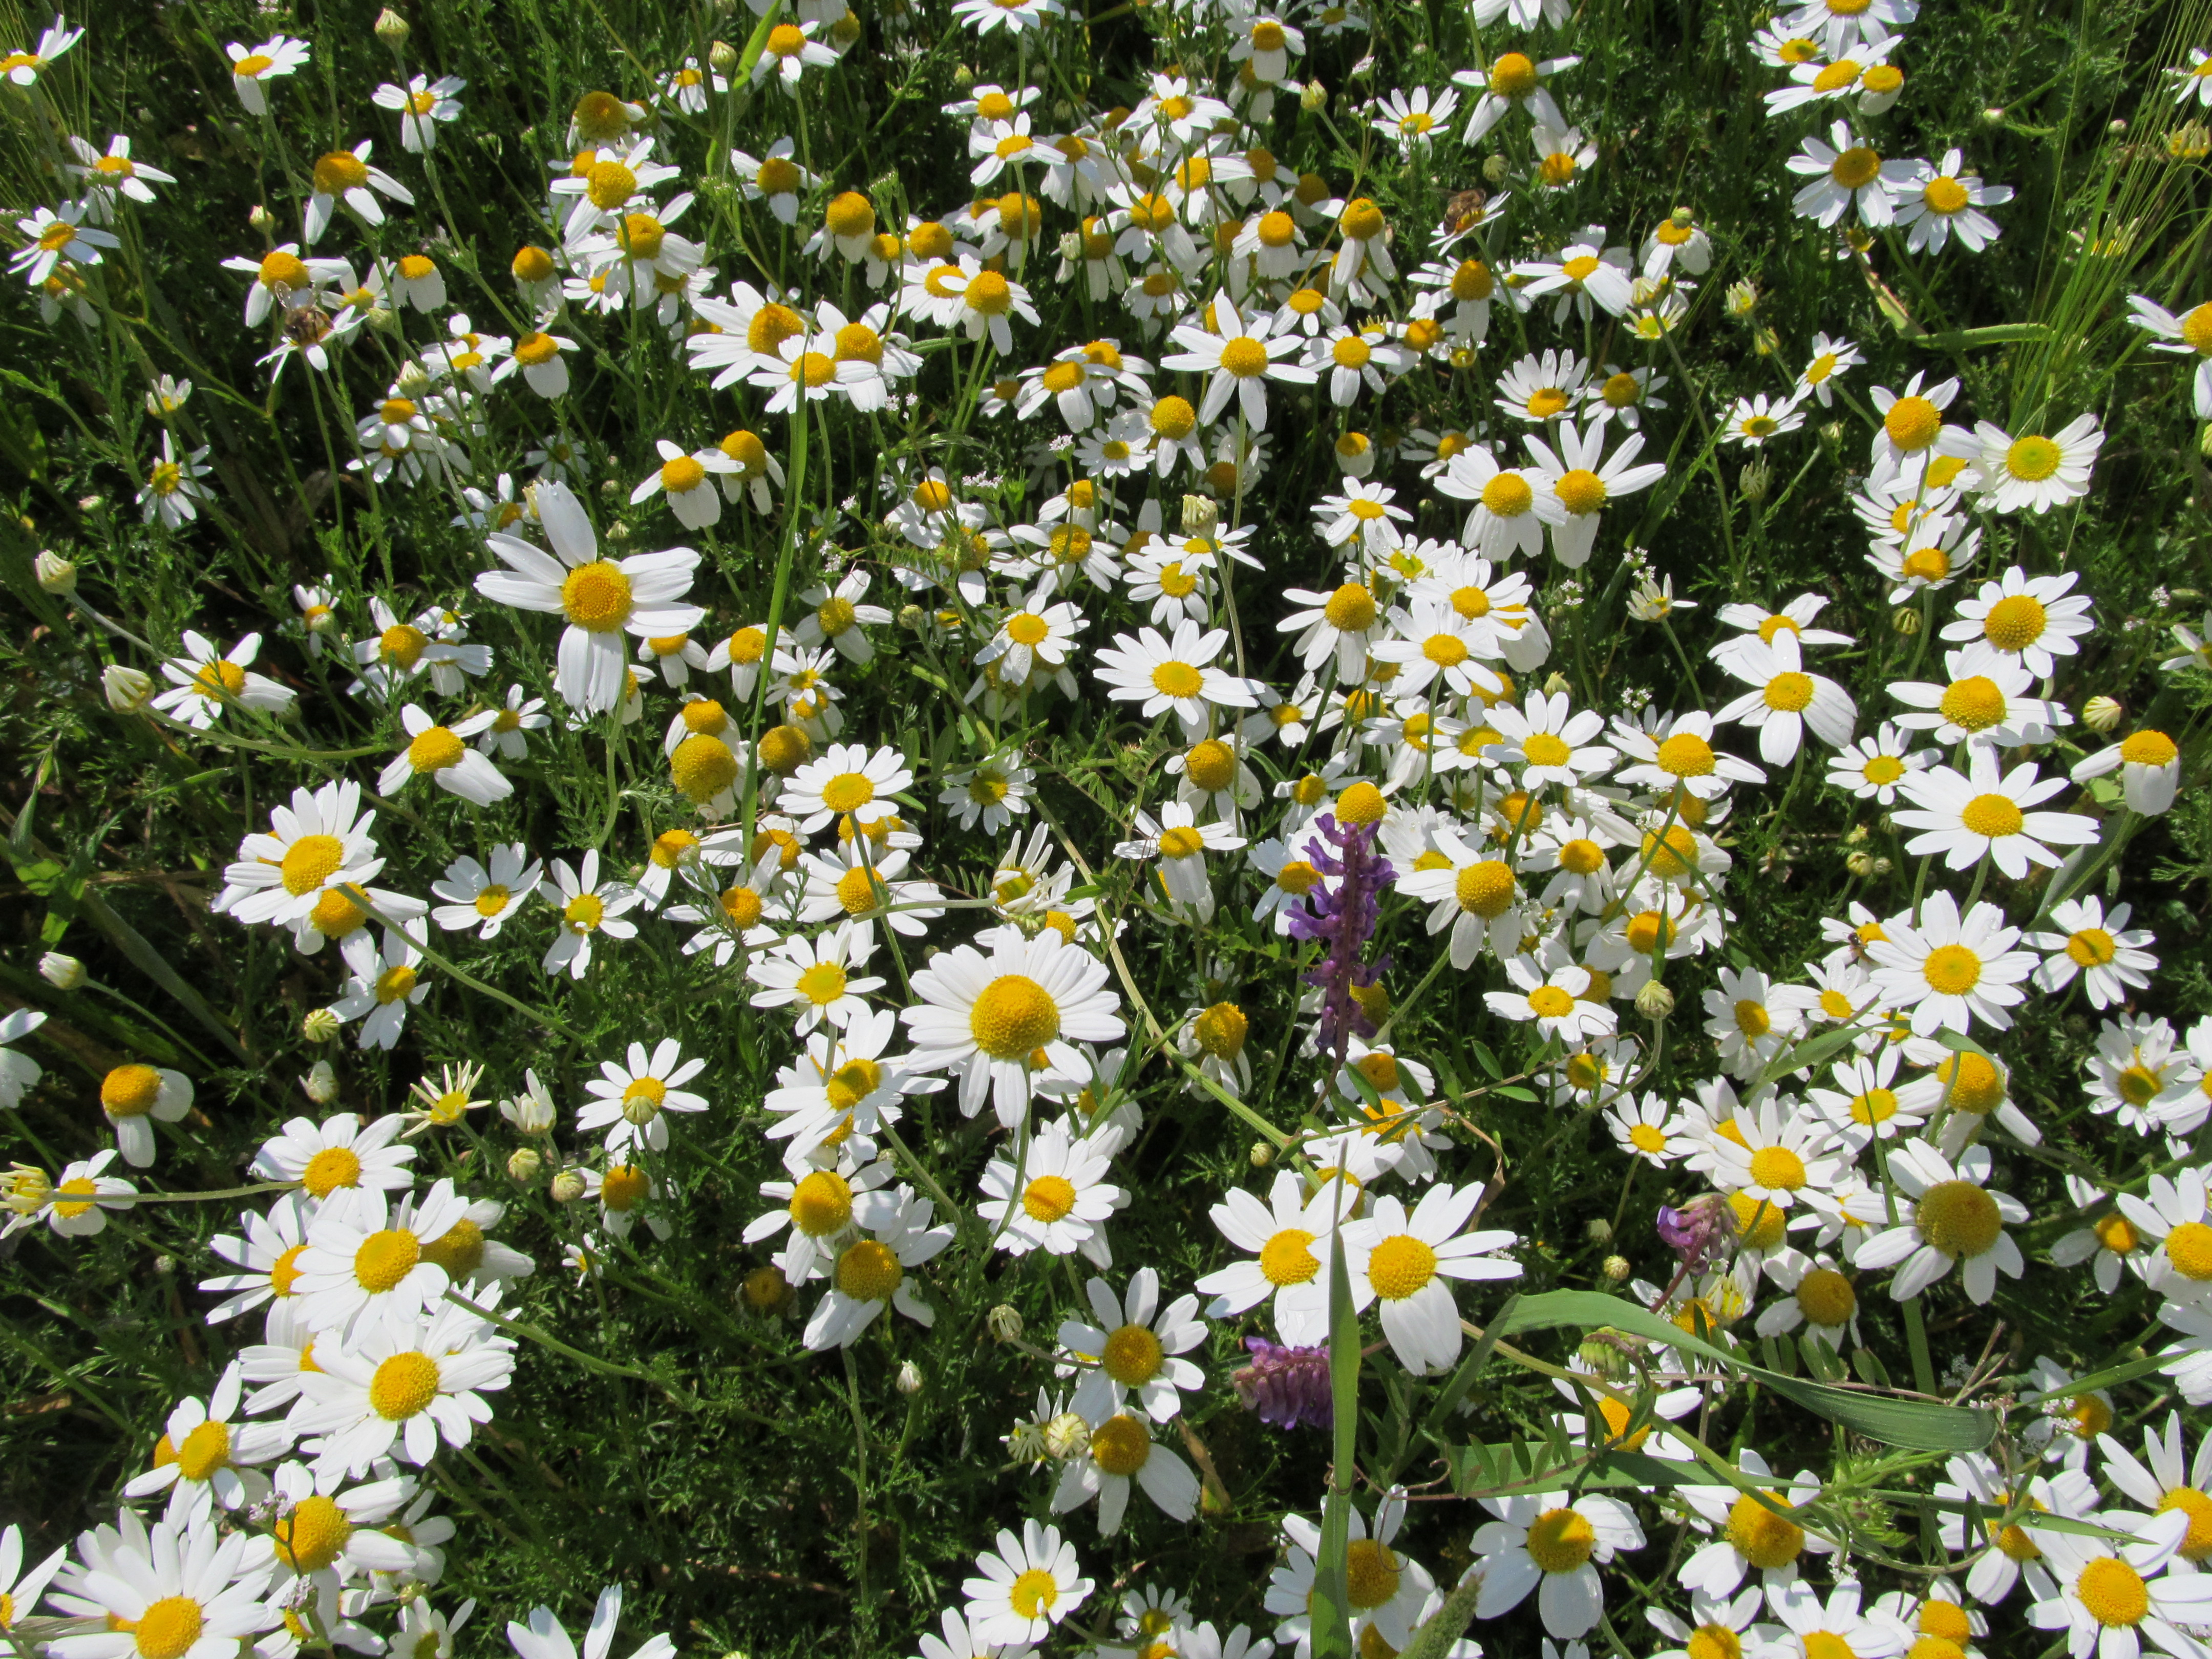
pixel 321 1082
pixel 1067 1436
pixel 390 28
pixel 62 973
pixel 1599 1231
pixel 260 219
pixel 2204 442
pixel 568 1187
pixel 321 1026
pixel 723 56
pixel 1742 298
pixel 126 689
pixel 619 532
pixel 1683 218
pixel 1557 685
pixel 1199 516
pixel 1004 1323
pixel 1655 1001
pixel 165 1265
pixel 1609 1353
pixel 2102 714
pixel 384 319
pixel 1753 480
pixel 1863 864
pixel 1906 620
pixel 1495 167
pixel 1832 433
pixel 1313 97
pixel 909 1380
pixel 911 618
pixel 56 574
pixel 1994 116
pixel 1616 1268
pixel 524 1166
pixel 2117 127
pixel 1263 1154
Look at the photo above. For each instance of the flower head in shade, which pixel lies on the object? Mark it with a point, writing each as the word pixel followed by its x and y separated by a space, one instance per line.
pixel 1286 1386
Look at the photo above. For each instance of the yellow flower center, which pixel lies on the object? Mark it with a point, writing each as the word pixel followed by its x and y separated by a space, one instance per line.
pixel 821 1204
pixel 596 596
pixel 2148 748
pixel 1351 609
pixel 1513 76
pixel 1013 1017
pixel 584 912
pixel 1959 1219
pixel 703 766
pixel 1714 1641
pixel 1826 1297
pixel 1508 496
pixel 131 1090
pixel 1776 1167
pixel 823 983
pixel 1973 704
pixel 1951 970
pixel 1371 1573
pixel 1485 890
pixel 1759 1224
pixel 2034 459
pixel 434 749
pixel 1855 168
pixel 1173 418
pixel 2189 1248
pixel 2112 1593
pixel 395 984
pixel 168 1629
pixel 1685 754
pixel 403 1386
pixel 1767 1541
pixel 1033 1593
pixel 339 171
pixel 385 1259
pixel 1133 1356
pixel 206 1450
pixel 869 1271
pixel 331 1168
pixel 459 1250
pixel 1049 1198
pixel 312 1536
pixel 2196 1542
pixel 1550 1002
pixel 1975 1084
pixel 1288 1259
pixel 1911 422
pixel 1560 1540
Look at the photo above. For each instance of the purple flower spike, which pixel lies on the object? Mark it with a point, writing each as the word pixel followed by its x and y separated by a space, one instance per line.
pixel 1699 1232
pixel 1286 1386
pixel 1341 912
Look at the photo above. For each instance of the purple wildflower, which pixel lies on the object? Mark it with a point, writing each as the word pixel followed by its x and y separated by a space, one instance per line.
pixel 1341 912
pixel 1699 1232
pixel 1286 1386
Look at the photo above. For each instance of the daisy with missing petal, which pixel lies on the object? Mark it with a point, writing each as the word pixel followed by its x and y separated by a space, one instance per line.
pixel 998 1021
pixel 2036 619
pixel 380 994
pixel 2111 960
pixel 629 1100
pixel 1050 1193
pixel 1582 480
pixel 1816 1297
pixel 482 899
pixel 1834 1629
pixel 422 105
pixel 1756 1530
pixel 1990 699
pixel 345 176
pixel 2037 473
pixel 1552 992
pixel 133 1097
pixel 1130 1347
pixel 1403 1260
pixel 1288 1238
pixel 1775 1155
pixel 1954 1220
pixel 814 977
pixel 1938 202
pixel 2171 1481
pixel 1475 894
pixel 589 909
pixel 1180 844
pixel 1785 702
pixel 1585 273
pixel 1679 754
pixel 1026 1586
pixel 204 683
pixel 871 1274
pixel 1511 507
pixel 1817 378
pixel 442 754
pixel 76 1206
pixel 1388 1590
pixel 2017 1551
pixel 2149 765
pixel 1846 173
pixel 1650 1128
pixel 402 1390
pixel 1120 1450
pixel 336 1155
pixel 250 72
pixel 1552 1543
pixel 1865 1103
pixel 180 1589
pixel 601 599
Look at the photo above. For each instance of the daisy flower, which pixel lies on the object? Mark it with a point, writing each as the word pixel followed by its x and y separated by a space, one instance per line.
pixel 1403 1260
pixel 202 682
pixel 1938 202
pixel 818 1208
pixel 442 754
pixel 1511 507
pixel 1912 421
pixel 1831 1629
pixel 484 899
pixel 1650 1128
pixel 181 1589
pixel 1514 79
pixel 1756 1530
pixel 1130 1347
pixel 601 599
pixel 1723 1625
pixel 1954 1220
pixel 133 1096
pixel 250 71
pixel 336 1155
pixel 1582 480
pixel 2136 1073
pixel 422 104
pixel 1551 993
pixel 2188 335
pixel 588 907
pixel 1678 755
pixel 2006 1555
pixel 1864 1103
pixel 1816 1296
pixel 1064 1199
pixel 2112 1599
pixel 23 68
pixel 1282 1235
pixel 402 1388
pixel 1025 1587
pixel 2149 765
pixel 1119 1451
pixel 1752 421
pixel 871 1274
pixel 344 175
pixel 1179 673
pixel 1989 700
pixel 320 842
pixel 815 977
pixel 1874 768
pixel 2165 1480
pixel 76 1205
pixel 1989 813
pixel 1846 173
pixel 1775 1154
pixel 369 1263
pixel 2037 473
pixel 2111 960
pixel 1551 1543
pixel 1952 968
pixel 1584 273
pixel 1475 894
pixel 2035 619
pixel 1241 356
pixel 1785 702
pixel 628 1100
pixel 848 779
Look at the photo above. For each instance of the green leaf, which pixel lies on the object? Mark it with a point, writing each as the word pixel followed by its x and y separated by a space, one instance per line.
pixel 1916 1424
pixel 1486 1060
pixel 1469 1369
pixel 2110 1377
pixel 1804 1056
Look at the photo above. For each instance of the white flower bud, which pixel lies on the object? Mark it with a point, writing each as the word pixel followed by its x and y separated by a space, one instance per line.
pixel 1313 97
pixel 1555 683
pixel 1199 516
pixel 2102 714
pixel 909 1380
pixel 56 574
pixel 567 1186
pixel 1616 1268
pixel 524 1165
pixel 126 689
pixel 260 219
pixel 1067 1436
pixel 1599 1231
pixel 1655 1001
pixel 1495 167
pixel 321 1026
pixel 390 28
pixel 1004 1323
pixel 321 1082
pixel 723 56
pixel 531 1111
pixel 1263 1154
pixel 62 973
